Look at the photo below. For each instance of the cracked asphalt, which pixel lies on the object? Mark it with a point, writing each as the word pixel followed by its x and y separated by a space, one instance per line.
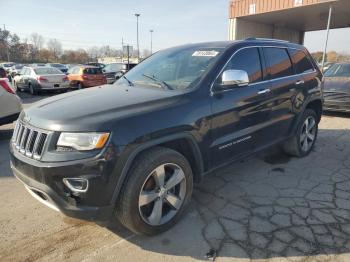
pixel 268 207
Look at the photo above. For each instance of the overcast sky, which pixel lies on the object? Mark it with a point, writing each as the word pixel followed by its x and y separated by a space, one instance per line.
pixel 83 24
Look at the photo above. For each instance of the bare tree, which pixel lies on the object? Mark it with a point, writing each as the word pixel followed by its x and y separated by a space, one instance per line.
pixel 55 47
pixel 37 41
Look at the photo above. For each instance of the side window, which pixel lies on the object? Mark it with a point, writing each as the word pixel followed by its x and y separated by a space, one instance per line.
pixel 247 60
pixel 301 61
pixel 279 62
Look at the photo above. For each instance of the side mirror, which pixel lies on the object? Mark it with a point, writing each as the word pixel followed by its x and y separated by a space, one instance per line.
pixel 234 78
pixel 103 70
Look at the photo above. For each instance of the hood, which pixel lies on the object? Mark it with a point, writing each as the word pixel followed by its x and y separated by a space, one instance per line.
pixel 95 109
pixel 337 84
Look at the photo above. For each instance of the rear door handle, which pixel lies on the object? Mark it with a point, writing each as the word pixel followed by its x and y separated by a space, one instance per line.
pixel 265 91
pixel 300 82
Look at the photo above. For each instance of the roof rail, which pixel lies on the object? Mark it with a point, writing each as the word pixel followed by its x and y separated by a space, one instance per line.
pixel 267 39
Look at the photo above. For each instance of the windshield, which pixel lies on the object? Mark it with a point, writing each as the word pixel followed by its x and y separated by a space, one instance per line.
pixel 47 71
pixel 113 67
pixel 338 70
pixel 57 65
pixel 174 68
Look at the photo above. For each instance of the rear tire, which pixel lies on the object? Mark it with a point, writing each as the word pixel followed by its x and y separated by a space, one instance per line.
pixel 32 90
pixel 303 141
pixel 156 193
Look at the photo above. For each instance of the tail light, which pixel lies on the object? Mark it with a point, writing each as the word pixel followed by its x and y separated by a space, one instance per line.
pixel 6 86
pixel 65 79
pixel 41 79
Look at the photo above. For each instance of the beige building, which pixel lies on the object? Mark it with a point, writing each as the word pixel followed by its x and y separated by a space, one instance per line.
pixel 284 19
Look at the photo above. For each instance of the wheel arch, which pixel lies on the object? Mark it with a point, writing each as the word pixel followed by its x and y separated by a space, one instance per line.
pixel 183 143
pixel 317 106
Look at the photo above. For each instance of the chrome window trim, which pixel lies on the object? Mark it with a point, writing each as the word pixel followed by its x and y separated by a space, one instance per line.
pixel 212 92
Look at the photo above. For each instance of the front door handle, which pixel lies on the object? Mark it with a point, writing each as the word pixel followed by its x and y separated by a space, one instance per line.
pixel 265 91
pixel 300 82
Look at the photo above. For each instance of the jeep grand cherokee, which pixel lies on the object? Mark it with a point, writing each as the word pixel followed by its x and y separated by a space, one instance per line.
pixel 133 149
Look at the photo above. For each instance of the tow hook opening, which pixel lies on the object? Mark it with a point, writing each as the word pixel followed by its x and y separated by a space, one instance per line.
pixel 76 185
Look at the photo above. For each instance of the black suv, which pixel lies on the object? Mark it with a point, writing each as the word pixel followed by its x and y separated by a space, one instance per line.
pixel 133 149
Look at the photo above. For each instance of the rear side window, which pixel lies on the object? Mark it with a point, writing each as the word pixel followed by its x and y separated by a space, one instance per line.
pixel 301 62
pixel 279 62
pixel 92 71
pixel 247 60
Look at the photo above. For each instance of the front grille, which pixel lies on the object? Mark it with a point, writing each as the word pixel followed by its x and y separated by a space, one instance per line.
pixel 28 141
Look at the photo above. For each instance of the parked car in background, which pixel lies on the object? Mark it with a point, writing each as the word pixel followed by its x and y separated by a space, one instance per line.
pixel 337 88
pixel 10 104
pixel 133 150
pixel 100 65
pixel 60 67
pixel 38 79
pixel 15 69
pixel 7 66
pixel 86 76
pixel 114 71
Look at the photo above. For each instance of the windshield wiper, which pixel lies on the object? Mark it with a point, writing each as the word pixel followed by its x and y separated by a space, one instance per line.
pixel 129 82
pixel 163 84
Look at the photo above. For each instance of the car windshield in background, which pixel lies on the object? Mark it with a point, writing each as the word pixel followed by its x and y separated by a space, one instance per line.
pixel 57 65
pixel 177 68
pixel 113 67
pixel 19 66
pixel 338 70
pixel 47 71
pixel 92 71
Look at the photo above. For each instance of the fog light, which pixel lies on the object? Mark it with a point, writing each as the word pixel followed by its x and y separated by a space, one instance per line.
pixel 76 185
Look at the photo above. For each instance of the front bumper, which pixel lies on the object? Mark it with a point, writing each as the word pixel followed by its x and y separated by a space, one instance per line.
pixel 44 182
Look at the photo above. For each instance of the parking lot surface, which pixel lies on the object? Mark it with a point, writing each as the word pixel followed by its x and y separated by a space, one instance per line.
pixel 269 207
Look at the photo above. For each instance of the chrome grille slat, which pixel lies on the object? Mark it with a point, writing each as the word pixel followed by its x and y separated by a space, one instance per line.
pixel 29 141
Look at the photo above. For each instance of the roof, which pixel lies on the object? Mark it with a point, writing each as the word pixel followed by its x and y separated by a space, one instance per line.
pixel 309 17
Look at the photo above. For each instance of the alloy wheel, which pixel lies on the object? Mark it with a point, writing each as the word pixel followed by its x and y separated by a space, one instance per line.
pixel 308 133
pixel 162 194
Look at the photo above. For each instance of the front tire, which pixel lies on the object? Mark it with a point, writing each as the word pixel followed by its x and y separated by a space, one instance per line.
pixel 303 141
pixel 156 193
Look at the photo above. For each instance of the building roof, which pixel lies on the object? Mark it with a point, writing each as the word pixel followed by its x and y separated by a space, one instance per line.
pixel 312 15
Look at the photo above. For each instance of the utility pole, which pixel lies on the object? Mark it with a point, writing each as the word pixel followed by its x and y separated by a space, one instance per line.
pixel 151 31
pixel 137 35
pixel 327 37
pixel 7 47
pixel 122 49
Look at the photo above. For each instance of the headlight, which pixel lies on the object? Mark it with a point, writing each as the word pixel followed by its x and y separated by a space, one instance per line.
pixel 83 141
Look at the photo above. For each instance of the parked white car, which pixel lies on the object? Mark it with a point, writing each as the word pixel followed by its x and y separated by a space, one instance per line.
pixel 37 79
pixel 10 103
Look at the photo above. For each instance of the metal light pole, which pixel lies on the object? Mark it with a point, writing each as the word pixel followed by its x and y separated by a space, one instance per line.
pixel 151 31
pixel 137 31
pixel 7 47
pixel 326 44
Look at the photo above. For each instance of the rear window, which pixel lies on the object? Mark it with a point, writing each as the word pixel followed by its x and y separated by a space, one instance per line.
pixel 92 71
pixel 301 61
pixel 47 71
pixel 279 62
pixel 57 65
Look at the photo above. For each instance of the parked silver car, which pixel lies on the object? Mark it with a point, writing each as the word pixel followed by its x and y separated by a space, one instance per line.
pixel 40 78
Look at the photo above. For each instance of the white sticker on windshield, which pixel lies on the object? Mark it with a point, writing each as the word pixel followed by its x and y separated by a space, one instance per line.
pixel 205 53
